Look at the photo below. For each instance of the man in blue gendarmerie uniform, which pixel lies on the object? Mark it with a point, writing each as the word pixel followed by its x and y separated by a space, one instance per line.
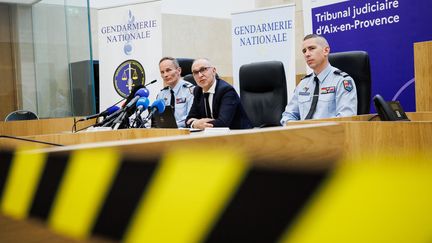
pixel 177 93
pixel 335 95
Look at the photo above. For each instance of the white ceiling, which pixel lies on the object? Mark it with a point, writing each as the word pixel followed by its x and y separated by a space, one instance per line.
pixel 208 8
pixel 93 3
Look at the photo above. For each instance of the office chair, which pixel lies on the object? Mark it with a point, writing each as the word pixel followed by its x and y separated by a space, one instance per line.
pixel 186 65
pixel 186 69
pixel 190 79
pixel 20 115
pixel 263 92
pixel 357 65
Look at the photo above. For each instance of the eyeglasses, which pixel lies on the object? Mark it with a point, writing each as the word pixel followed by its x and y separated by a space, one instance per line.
pixel 201 70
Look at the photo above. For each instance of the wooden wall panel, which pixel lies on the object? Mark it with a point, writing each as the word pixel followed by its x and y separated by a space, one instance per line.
pixel 423 75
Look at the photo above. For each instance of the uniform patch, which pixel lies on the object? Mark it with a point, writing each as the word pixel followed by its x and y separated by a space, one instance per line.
pixel 347 85
pixel 327 90
pixel 180 100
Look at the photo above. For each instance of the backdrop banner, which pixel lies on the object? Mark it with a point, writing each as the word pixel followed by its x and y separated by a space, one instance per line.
pixel 264 35
pixel 386 29
pixel 130 47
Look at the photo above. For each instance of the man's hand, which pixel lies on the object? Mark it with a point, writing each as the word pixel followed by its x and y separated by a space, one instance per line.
pixel 202 123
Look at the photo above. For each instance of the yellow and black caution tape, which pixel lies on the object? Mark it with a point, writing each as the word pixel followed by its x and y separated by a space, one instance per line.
pixel 217 196
pixel 383 200
pixel 21 184
pixel 185 197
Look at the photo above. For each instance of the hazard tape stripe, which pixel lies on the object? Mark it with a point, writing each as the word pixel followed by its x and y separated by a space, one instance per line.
pixel 371 201
pixel 205 196
pixel 22 183
pixel 128 187
pixel 82 191
pixel 48 186
pixel 5 164
pixel 214 196
pixel 267 201
pixel 186 195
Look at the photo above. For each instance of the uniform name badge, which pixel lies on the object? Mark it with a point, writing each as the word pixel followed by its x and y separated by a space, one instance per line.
pixel 180 100
pixel 305 91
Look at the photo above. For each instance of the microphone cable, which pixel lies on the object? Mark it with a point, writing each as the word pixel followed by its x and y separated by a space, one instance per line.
pixel 373 117
pixel 74 126
pixel 30 140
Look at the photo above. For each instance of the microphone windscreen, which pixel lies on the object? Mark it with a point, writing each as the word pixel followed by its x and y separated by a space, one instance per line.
pixel 144 102
pixel 112 109
pixel 160 105
pixel 143 92
pixel 132 94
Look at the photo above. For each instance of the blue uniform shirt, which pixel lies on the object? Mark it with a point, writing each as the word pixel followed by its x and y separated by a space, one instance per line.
pixel 337 96
pixel 183 93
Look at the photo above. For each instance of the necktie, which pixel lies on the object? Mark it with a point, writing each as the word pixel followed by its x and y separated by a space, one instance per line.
pixel 172 103
pixel 207 105
pixel 314 100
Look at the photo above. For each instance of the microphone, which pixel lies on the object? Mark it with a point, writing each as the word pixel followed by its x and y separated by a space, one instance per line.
pixel 141 105
pixel 135 89
pixel 142 92
pixel 106 112
pixel 157 106
pixel 152 82
pixel 109 119
pixel 132 93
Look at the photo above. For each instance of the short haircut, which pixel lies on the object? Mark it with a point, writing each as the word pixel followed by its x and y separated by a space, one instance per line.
pixel 321 40
pixel 176 63
pixel 201 58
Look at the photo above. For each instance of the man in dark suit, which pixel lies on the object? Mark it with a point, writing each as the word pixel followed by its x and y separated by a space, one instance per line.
pixel 216 103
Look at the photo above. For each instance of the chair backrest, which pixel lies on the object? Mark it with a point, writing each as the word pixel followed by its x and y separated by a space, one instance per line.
pixel 356 64
pixel 186 65
pixel 263 92
pixel 190 79
pixel 186 69
pixel 21 115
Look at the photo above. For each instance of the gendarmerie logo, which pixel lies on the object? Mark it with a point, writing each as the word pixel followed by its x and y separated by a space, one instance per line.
pixel 128 75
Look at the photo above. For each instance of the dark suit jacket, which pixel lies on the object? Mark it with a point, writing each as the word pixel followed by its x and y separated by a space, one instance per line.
pixel 227 108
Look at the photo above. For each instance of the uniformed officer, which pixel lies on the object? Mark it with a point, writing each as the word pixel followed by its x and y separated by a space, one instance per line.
pixel 327 92
pixel 177 93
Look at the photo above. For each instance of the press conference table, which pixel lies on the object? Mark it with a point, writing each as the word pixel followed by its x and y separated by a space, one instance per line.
pixel 364 138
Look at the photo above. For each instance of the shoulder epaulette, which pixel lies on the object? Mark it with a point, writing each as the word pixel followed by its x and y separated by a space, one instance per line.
pixel 167 87
pixel 187 85
pixel 339 72
pixel 307 76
